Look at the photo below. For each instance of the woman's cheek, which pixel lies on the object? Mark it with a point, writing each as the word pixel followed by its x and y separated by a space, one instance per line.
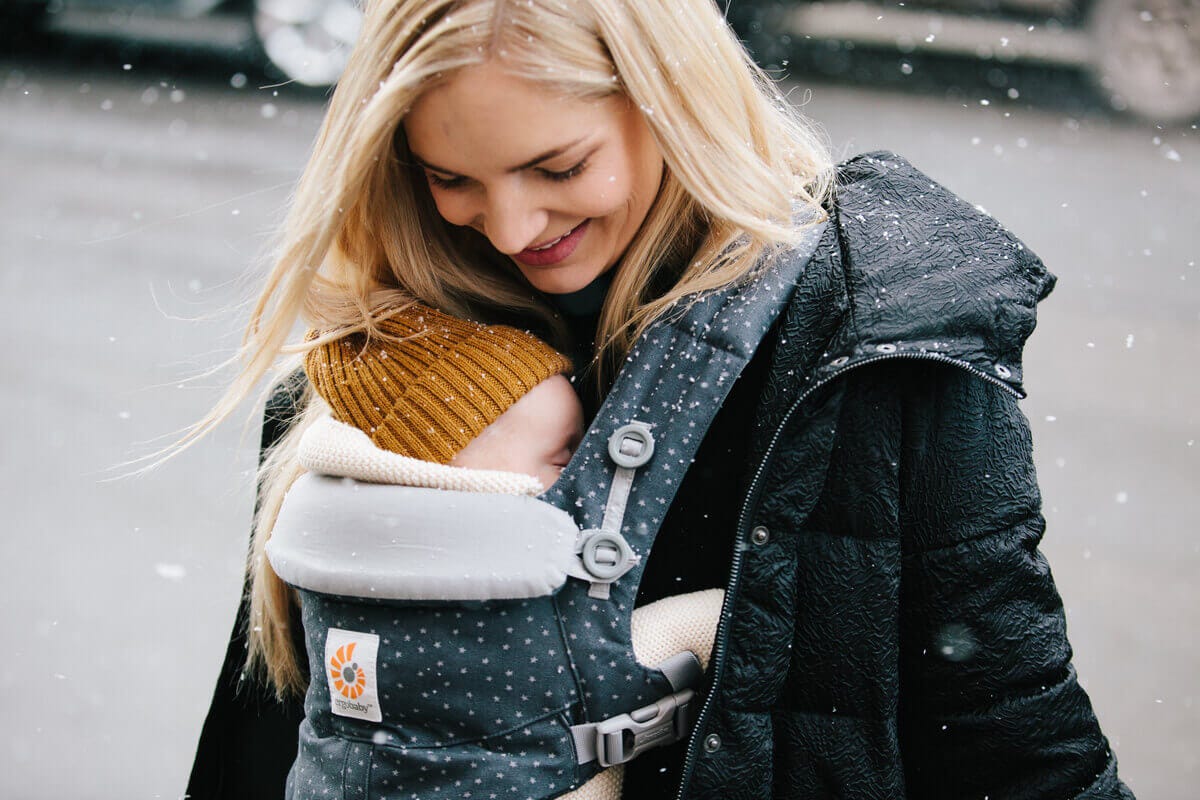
pixel 606 189
pixel 450 206
pixel 605 195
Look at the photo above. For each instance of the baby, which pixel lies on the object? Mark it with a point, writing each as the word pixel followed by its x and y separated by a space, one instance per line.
pixel 450 404
pixel 455 393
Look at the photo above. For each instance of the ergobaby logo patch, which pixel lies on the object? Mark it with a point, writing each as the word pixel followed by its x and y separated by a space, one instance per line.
pixel 350 661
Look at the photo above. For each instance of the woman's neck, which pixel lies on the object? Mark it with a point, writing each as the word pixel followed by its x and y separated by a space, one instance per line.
pixel 581 311
pixel 584 302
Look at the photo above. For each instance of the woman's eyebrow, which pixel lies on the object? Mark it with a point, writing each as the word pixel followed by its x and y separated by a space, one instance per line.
pixel 533 162
pixel 546 156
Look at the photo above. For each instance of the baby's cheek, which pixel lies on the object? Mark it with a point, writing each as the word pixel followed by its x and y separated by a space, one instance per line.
pixel 519 459
pixel 549 474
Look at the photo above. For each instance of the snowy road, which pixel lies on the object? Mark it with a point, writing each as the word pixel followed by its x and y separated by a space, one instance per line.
pixel 133 208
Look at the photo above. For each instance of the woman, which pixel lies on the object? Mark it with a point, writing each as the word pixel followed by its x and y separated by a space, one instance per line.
pixel 589 169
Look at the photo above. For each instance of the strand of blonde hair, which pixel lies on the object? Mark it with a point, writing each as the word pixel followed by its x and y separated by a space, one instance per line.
pixel 362 235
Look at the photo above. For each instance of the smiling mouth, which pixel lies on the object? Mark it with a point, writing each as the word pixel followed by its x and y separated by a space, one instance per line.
pixel 555 250
pixel 548 245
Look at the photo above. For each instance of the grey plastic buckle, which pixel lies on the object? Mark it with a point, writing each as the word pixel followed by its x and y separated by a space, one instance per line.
pixel 606 554
pixel 631 445
pixel 664 722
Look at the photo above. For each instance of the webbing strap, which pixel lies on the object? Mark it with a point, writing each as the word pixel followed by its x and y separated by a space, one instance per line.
pixel 604 555
pixel 630 447
pixel 618 497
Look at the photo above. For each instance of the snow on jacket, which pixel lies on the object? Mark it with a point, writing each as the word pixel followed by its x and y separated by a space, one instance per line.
pixel 890 628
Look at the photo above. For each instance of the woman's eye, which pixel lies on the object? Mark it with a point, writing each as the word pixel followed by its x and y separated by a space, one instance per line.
pixel 458 182
pixel 566 175
pixel 443 182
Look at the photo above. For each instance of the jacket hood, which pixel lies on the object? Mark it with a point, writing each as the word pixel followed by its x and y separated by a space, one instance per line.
pixel 913 270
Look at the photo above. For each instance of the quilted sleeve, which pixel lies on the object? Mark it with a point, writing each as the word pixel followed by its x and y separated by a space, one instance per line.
pixel 989 701
pixel 248 741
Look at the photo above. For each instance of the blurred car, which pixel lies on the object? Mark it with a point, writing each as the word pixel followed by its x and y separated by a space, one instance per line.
pixel 16 15
pixel 307 41
pixel 1143 54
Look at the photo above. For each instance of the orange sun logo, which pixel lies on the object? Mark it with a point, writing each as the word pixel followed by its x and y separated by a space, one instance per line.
pixel 348 677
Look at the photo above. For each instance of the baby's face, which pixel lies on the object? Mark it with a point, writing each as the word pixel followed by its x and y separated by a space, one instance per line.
pixel 535 436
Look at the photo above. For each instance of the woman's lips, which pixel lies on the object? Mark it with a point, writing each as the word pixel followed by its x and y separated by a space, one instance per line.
pixel 561 248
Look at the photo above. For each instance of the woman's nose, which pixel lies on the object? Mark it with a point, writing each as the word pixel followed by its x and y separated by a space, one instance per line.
pixel 512 222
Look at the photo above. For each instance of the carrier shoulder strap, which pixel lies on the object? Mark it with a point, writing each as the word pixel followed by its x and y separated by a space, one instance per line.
pixel 623 478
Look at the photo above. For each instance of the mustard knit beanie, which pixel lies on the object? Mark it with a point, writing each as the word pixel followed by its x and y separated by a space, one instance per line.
pixel 429 394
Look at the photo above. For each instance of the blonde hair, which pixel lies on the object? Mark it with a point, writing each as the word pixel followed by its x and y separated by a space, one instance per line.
pixel 363 236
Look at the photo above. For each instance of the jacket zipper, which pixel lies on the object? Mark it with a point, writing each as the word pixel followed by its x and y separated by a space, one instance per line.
pixel 717 662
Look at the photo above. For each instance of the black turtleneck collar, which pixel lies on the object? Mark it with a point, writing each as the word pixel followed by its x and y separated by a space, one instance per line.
pixel 584 302
pixel 581 311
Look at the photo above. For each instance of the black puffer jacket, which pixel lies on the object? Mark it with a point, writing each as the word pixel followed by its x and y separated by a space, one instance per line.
pixel 868 494
pixel 898 633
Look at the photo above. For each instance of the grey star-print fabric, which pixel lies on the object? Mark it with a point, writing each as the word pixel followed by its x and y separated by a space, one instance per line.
pixel 473 696
pixel 461 700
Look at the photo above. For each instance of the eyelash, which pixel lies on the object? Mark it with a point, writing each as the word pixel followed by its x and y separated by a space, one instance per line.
pixel 557 177
pixel 566 175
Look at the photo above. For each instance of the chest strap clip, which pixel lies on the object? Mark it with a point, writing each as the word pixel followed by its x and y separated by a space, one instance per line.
pixel 621 738
pixel 665 721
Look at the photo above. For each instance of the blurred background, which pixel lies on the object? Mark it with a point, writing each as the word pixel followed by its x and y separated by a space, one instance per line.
pixel 148 148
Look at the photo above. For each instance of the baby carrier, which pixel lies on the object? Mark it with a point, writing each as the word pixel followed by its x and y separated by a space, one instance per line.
pixel 468 645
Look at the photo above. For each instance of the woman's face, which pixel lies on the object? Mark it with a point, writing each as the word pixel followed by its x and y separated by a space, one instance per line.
pixel 557 184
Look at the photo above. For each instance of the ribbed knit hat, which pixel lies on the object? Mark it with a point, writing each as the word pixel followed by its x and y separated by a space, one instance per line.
pixel 429 394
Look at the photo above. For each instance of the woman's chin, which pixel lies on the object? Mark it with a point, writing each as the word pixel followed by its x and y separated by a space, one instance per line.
pixel 560 278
